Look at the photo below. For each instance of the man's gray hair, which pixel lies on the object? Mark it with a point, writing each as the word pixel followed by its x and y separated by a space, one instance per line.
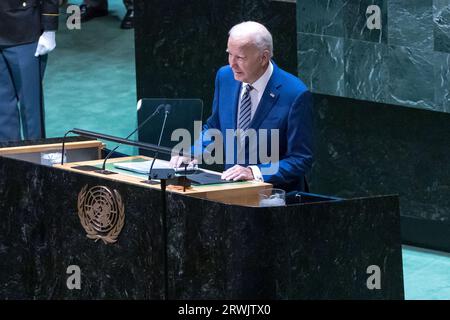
pixel 256 33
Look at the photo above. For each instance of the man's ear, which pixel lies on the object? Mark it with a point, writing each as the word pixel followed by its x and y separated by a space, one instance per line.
pixel 265 56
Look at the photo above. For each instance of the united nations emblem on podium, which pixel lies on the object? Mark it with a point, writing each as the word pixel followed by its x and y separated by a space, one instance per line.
pixel 101 212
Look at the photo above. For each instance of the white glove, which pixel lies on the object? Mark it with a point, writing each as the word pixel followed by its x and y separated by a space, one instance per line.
pixel 46 43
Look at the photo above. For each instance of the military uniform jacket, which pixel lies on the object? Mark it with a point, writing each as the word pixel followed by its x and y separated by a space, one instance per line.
pixel 23 21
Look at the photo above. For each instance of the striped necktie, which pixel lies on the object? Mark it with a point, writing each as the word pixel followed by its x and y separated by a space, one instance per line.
pixel 245 115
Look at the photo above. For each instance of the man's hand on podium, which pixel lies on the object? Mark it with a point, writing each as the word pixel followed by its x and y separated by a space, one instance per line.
pixel 177 161
pixel 238 172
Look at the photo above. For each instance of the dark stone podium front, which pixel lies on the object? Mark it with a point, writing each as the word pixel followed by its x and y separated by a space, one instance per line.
pixel 214 251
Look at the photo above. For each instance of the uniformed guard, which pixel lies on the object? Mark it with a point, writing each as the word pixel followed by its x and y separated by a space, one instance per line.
pixel 27 35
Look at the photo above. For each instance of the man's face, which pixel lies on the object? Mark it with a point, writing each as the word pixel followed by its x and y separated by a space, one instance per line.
pixel 246 60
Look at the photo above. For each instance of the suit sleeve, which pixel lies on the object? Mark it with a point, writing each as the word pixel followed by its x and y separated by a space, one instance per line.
pixel 299 157
pixel 213 120
pixel 211 123
pixel 49 15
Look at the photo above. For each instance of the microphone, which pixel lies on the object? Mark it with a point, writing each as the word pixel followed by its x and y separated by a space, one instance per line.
pixel 167 109
pixel 158 109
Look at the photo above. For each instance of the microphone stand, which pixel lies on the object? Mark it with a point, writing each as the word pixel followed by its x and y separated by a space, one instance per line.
pixel 166 113
pixel 163 175
pixel 95 135
pixel 63 145
pixel 163 181
pixel 103 170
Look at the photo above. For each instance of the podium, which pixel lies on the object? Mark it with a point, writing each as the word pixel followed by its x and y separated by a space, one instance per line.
pixel 220 244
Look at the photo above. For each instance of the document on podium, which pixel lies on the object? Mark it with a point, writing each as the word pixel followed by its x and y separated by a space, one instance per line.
pixel 200 177
pixel 142 167
pixel 204 178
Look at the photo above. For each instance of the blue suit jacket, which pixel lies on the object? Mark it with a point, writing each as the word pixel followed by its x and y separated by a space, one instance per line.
pixel 286 105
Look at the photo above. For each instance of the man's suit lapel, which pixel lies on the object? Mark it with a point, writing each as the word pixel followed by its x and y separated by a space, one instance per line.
pixel 236 89
pixel 270 96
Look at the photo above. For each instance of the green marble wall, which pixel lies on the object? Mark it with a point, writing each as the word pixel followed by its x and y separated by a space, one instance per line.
pixel 406 62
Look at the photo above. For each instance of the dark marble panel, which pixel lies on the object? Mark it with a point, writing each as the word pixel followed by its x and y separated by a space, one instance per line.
pixel 179 48
pixel 411 23
pixel 355 21
pixel 441 12
pixel 411 77
pixel 41 235
pixel 321 17
pixel 366 71
pixel 316 251
pixel 366 148
pixel 310 251
pixel 321 63
pixel 442 82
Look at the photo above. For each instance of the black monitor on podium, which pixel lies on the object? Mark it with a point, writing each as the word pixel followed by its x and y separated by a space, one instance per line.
pixel 183 114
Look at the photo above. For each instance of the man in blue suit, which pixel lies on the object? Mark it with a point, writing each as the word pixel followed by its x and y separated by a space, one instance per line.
pixel 252 92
